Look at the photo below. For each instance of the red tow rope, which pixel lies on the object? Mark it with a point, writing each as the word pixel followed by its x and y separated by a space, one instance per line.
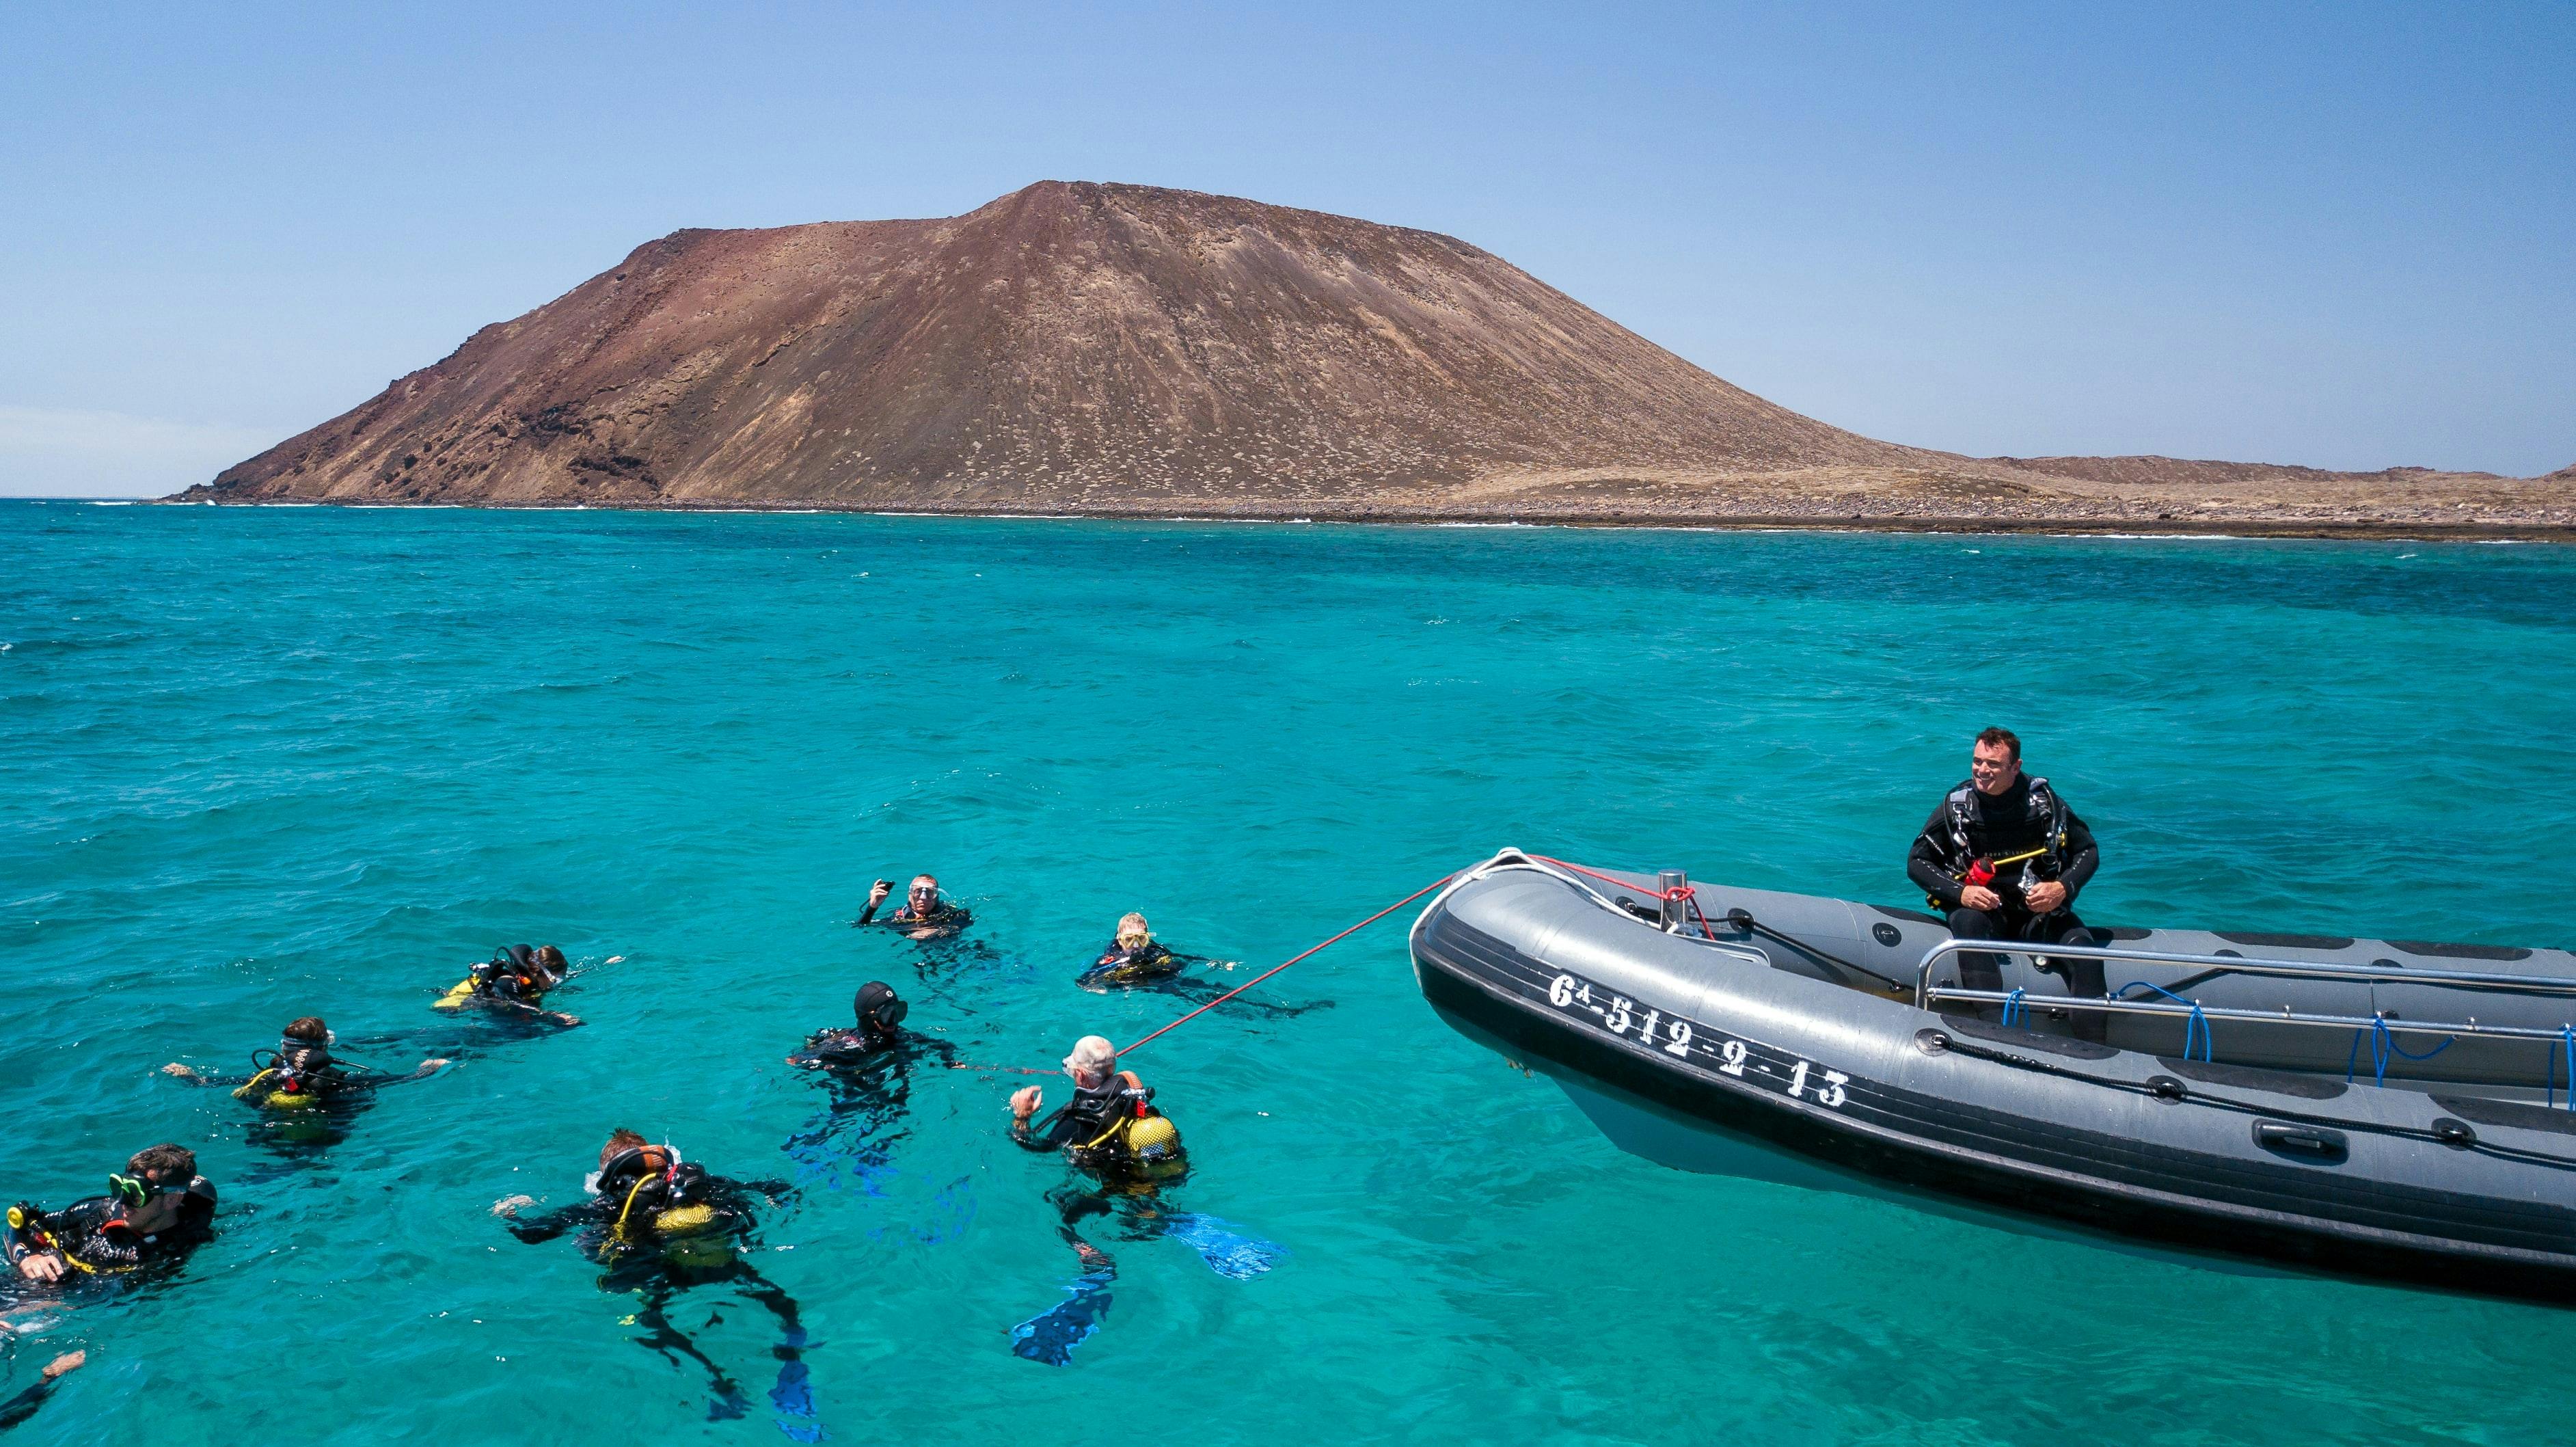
pixel 1266 974
pixel 1684 893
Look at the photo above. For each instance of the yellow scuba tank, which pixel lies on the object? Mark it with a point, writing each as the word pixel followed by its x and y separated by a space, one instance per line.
pixel 1154 1144
pixel 684 1220
pixel 457 995
pixel 257 1092
pixel 689 1237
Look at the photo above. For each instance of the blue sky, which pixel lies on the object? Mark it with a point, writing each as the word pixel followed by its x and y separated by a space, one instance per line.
pixel 2334 234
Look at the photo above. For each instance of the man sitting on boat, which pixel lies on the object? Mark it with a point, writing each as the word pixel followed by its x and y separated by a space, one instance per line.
pixel 2004 857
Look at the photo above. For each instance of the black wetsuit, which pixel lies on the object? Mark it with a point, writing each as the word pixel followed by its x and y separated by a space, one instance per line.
pixel 1969 825
pixel 944 917
pixel 22 1406
pixel 303 1110
pixel 855 1050
pixel 869 1072
pixel 1145 964
pixel 623 1229
pixel 93 1234
pixel 513 996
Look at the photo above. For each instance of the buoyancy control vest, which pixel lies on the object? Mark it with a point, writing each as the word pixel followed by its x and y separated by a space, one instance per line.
pixel 511 974
pixel 1114 1126
pixel 2024 849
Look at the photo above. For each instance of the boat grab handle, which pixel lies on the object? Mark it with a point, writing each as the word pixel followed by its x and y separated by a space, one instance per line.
pixel 2234 965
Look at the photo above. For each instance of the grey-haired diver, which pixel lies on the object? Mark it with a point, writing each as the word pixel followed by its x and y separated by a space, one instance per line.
pixel 154 1212
pixel 1111 1132
pixel 660 1225
pixel 511 986
pixel 868 1069
pixel 923 915
pixel 22 1406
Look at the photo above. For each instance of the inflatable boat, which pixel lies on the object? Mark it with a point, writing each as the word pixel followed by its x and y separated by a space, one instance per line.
pixel 2393 1109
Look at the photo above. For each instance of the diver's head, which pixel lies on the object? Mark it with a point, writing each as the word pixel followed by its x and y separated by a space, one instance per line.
pixel 1133 932
pixel 1995 761
pixel 549 961
pixel 628 1157
pixel 924 893
pixel 304 1045
pixel 878 1007
pixel 1093 1060
pixel 152 1185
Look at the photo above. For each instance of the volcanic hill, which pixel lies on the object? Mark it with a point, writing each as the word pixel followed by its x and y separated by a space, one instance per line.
pixel 1079 347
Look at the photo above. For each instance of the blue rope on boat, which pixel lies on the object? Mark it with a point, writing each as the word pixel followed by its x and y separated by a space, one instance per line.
pixel 2195 1029
pixel 2567 1039
pixel 2382 1043
pixel 2013 1008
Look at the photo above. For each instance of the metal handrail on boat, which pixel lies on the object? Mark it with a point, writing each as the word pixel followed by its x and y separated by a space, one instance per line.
pixel 1927 994
pixel 2117 1006
pixel 2543 985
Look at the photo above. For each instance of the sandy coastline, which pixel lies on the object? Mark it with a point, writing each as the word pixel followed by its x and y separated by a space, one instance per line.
pixel 2248 523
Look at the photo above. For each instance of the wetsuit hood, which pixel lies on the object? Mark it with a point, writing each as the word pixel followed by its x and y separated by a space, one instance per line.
pixel 878 1008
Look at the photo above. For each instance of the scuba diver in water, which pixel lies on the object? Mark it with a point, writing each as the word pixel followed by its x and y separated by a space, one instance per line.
pixel 1135 960
pixel 868 1069
pixel 307 1097
pixel 156 1211
pixel 876 1041
pixel 302 1073
pixel 511 986
pixel 923 915
pixel 2003 858
pixel 1131 1152
pixel 22 1406
pixel 659 1225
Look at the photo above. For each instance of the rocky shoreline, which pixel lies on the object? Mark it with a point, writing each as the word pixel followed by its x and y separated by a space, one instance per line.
pixel 2489 528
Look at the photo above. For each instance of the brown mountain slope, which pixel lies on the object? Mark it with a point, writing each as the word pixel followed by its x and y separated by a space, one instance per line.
pixel 1067 342
pixel 1101 348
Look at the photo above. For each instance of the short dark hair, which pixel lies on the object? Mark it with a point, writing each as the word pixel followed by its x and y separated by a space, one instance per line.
pixel 308 1028
pixel 164 1163
pixel 552 958
pixel 620 1140
pixel 2005 737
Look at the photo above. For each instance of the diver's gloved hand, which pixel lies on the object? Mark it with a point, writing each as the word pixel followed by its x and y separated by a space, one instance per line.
pixel 509 1205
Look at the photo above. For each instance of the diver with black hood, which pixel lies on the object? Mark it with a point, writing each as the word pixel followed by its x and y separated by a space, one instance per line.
pixel 875 1042
pixel 868 1069
pixel 660 1225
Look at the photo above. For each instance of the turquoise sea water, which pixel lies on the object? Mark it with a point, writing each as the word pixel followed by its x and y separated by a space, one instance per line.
pixel 255 764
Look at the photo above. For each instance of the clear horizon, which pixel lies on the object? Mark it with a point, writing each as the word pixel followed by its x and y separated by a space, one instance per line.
pixel 2331 237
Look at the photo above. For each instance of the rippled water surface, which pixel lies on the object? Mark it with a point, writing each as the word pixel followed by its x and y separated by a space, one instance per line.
pixel 259 764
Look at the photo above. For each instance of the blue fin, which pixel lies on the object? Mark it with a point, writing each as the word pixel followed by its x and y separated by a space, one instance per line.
pixel 1227 1251
pixel 1051 1335
pixel 793 1396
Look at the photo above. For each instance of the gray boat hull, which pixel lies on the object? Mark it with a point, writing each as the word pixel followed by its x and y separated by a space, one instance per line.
pixel 1747 1056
